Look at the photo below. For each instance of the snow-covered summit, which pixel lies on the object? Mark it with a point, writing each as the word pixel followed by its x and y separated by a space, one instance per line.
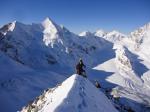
pixel 115 32
pixel 100 33
pixel 141 39
pixel 140 33
pixel 48 24
pixel 112 36
pixel 75 94
pixel 50 31
pixel 115 36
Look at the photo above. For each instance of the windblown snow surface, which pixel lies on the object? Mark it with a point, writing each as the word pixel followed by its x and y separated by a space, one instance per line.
pixel 75 94
pixel 41 55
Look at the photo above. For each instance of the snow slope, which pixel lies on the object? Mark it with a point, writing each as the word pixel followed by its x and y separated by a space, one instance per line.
pixel 75 94
pixel 19 84
pixel 131 78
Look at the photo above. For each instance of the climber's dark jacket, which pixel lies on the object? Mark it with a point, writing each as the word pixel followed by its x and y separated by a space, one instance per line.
pixel 79 67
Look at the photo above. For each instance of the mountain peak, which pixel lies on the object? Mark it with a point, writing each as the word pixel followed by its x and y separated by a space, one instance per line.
pixel 48 20
pixel 85 33
pixel 116 33
pixel 74 94
pixel 12 26
pixel 100 33
pixel 48 23
pixel 140 31
pixel 50 31
pixel 8 27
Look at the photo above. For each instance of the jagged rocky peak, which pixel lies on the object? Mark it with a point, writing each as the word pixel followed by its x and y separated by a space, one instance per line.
pixel 141 35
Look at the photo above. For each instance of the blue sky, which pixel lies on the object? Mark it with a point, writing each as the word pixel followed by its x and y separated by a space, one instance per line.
pixel 79 15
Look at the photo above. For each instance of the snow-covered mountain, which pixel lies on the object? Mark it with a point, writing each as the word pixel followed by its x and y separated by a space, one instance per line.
pixel 141 40
pixel 141 36
pixel 47 43
pixel 112 36
pixel 37 56
pixel 74 94
pixel 100 33
pixel 17 80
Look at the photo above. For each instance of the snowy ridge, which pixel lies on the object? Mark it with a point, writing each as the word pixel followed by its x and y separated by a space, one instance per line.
pixel 113 36
pixel 74 94
pixel 122 58
pixel 133 82
pixel 125 66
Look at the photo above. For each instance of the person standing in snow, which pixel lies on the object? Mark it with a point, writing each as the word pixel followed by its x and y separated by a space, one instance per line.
pixel 97 84
pixel 79 68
